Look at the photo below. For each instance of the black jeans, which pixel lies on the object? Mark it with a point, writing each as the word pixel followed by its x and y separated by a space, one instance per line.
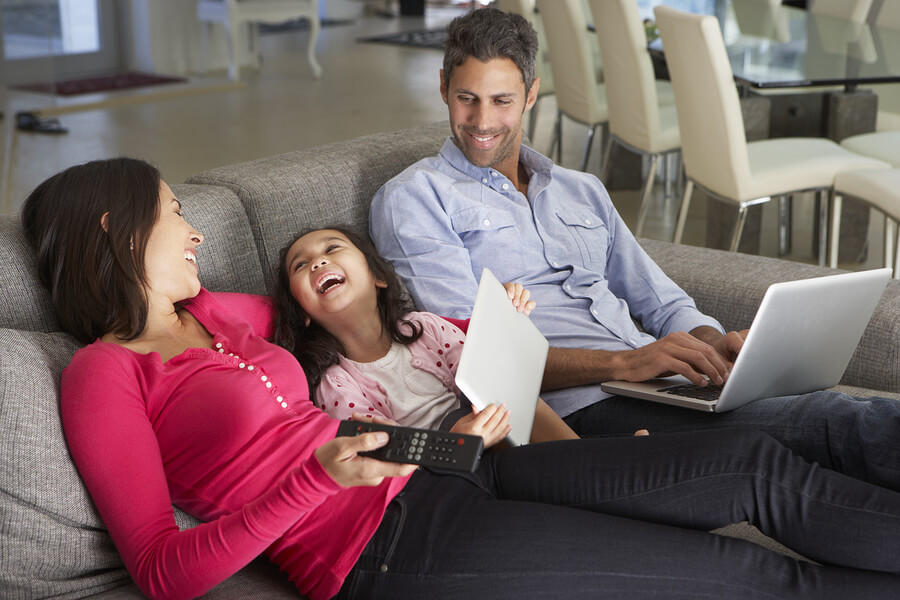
pixel 628 517
pixel 859 437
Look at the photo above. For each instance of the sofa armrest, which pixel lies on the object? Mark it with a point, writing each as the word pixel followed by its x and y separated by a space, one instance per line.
pixel 730 287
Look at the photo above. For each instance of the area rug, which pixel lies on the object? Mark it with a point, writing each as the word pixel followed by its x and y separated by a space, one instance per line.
pixel 107 83
pixel 427 38
pixel 300 25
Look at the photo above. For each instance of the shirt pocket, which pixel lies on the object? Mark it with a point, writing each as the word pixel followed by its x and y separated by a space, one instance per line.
pixel 493 241
pixel 590 235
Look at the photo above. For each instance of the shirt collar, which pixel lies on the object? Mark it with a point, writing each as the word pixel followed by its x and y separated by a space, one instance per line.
pixel 533 160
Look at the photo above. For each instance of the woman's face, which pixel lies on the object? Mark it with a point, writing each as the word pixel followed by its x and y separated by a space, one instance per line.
pixel 171 256
pixel 329 274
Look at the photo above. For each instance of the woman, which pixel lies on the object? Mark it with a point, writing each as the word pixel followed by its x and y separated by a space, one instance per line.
pixel 178 398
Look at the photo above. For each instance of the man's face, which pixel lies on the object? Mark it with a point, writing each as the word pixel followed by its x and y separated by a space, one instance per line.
pixel 486 102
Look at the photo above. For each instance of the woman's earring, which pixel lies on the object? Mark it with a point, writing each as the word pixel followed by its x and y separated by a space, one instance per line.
pixel 132 245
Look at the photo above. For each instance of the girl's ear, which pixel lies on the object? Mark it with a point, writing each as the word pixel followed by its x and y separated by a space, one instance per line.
pixel 381 284
pixel 307 320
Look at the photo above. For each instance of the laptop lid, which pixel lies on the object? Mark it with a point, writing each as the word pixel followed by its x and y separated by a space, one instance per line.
pixel 503 358
pixel 801 340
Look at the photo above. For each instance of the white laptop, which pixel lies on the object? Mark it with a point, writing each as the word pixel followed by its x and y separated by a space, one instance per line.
pixel 503 358
pixel 801 340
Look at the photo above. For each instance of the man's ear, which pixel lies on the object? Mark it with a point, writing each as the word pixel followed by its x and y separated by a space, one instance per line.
pixel 533 93
pixel 444 87
pixel 104 221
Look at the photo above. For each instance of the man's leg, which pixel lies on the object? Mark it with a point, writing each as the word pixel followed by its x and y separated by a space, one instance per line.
pixel 857 437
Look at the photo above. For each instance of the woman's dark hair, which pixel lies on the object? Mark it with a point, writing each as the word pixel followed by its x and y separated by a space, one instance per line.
pixel 312 345
pixel 489 33
pixel 93 264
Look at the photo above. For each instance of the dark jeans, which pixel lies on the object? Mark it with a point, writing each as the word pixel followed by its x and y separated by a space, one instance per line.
pixel 628 517
pixel 857 437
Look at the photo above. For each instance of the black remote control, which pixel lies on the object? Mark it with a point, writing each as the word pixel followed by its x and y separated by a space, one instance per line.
pixel 425 447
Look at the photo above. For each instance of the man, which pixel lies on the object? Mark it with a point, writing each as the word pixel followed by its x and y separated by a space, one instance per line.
pixel 488 201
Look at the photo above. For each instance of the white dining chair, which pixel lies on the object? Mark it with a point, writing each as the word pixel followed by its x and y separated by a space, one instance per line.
pixel 639 119
pixel 852 10
pixel 578 95
pixel 716 155
pixel 887 22
pixel 880 189
pixel 244 16
pixel 542 68
pixel 883 145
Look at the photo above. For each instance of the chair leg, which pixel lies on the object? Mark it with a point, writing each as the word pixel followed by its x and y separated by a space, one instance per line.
pixel 785 214
pixel 556 138
pixel 314 26
pixel 683 211
pixel 587 147
pixel 738 229
pixel 532 119
pixel 607 154
pixel 645 196
pixel 824 200
pixel 834 235
pixel 890 234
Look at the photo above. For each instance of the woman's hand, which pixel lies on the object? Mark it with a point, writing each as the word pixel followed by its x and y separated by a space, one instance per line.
pixel 520 297
pixel 341 460
pixel 492 424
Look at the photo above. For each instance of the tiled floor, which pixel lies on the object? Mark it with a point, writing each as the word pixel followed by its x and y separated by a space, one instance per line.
pixel 365 88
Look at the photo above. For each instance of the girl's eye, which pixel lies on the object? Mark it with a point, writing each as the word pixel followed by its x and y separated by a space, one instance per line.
pixel 332 248
pixel 299 265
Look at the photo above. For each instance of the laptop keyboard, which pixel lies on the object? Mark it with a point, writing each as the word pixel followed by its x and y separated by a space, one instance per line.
pixel 709 393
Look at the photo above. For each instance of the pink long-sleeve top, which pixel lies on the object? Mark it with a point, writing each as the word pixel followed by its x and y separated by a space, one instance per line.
pixel 228 435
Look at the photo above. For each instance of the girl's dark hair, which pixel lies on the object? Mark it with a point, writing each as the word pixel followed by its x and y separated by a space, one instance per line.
pixel 312 345
pixel 96 280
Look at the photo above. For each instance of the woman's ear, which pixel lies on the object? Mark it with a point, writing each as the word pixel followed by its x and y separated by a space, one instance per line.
pixel 381 284
pixel 306 320
pixel 104 221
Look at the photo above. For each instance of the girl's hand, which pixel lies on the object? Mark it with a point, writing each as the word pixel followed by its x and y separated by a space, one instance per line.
pixel 341 460
pixel 520 297
pixel 492 424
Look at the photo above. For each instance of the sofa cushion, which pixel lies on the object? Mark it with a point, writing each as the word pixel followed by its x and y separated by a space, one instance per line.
pixel 334 184
pixel 24 302
pixel 52 542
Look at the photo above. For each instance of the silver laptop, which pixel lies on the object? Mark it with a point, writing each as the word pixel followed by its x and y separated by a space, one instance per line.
pixel 801 340
pixel 503 358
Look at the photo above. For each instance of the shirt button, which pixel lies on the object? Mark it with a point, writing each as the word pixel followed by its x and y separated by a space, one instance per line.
pixel 487 222
pixel 484 180
pixel 242 365
pixel 268 384
pixel 264 378
pixel 495 174
pixel 219 345
pixel 594 311
pixel 221 351
pixel 568 288
pixel 284 405
pixel 505 186
pixel 555 264
pixel 587 221
pixel 250 367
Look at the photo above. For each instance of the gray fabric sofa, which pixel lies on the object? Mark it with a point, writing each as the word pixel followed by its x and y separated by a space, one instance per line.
pixel 52 543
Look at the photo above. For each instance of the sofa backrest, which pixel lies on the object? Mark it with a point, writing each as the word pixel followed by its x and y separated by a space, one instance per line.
pixel 287 194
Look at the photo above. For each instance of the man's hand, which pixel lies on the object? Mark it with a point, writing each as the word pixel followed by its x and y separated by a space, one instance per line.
pixel 703 353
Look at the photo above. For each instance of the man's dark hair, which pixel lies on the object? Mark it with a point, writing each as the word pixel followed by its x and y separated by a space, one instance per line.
pixel 312 345
pixel 95 274
pixel 489 33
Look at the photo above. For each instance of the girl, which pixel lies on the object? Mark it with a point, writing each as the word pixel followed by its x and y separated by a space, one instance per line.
pixel 343 314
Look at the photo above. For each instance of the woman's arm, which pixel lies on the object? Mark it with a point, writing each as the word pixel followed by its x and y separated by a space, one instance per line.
pixel 117 454
pixel 548 425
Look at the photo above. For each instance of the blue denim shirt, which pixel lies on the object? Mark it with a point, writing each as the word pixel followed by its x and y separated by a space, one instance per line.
pixel 443 219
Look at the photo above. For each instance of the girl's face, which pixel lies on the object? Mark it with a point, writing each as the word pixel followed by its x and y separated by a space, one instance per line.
pixel 171 255
pixel 330 275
